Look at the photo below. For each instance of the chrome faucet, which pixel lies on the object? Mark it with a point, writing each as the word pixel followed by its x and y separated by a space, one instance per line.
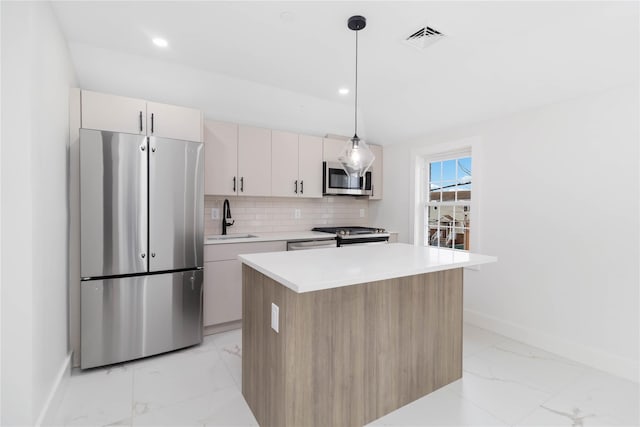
pixel 226 215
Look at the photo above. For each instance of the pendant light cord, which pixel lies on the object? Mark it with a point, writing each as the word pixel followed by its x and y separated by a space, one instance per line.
pixel 356 107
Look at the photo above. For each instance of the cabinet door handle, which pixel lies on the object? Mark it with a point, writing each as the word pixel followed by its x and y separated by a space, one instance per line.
pixel 151 122
pixel 242 184
pixel 296 189
pixel 301 187
pixel 140 116
pixel 234 184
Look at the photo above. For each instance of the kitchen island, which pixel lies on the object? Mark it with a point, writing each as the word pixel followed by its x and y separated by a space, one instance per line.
pixel 361 331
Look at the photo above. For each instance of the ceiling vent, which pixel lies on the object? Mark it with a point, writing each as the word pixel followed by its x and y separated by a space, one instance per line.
pixel 424 37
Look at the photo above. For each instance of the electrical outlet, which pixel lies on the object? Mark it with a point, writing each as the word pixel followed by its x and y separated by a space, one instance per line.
pixel 275 317
pixel 215 213
pixel 361 213
pixel 296 214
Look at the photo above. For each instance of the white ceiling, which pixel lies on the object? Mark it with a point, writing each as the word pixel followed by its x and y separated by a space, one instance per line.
pixel 497 58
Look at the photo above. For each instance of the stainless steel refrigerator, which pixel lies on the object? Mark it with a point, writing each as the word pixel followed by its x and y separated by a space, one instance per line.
pixel 142 231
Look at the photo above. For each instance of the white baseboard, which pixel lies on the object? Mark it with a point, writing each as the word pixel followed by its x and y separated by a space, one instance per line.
pixel 55 394
pixel 595 358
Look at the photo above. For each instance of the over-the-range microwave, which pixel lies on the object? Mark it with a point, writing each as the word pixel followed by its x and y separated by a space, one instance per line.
pixel 336 182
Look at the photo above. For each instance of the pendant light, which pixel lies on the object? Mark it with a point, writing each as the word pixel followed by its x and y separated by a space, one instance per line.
pixel 356 157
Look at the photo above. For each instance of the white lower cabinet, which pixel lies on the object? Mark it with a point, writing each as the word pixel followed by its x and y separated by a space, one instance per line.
pixel 222 292
pixel 223 279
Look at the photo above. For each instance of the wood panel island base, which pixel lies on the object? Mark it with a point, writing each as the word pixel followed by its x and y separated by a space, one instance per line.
pixel 347 354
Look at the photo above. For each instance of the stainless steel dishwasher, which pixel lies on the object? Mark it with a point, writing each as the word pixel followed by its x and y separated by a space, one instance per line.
pixel 302 245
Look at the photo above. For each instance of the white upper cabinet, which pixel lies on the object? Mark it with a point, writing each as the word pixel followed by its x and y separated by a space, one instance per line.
pixel 130 115
pixel 310 166
pixel 284 164
pixel 220 158
pixel 296 165
pixel 172 121
pixel 331 149
pixel 115 113
pixel 254 161
pixel 376 173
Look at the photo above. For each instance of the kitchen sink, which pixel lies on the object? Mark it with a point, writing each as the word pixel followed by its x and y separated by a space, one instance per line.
pixel 229 236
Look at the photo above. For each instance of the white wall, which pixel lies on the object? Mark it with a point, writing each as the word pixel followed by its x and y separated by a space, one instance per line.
pixel 559 207
pixel 220 97
pixel 36 76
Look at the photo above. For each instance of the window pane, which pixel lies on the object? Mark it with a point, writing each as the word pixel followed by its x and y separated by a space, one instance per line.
pixel 449 170
pixel 464 168
pixel 433 236
pixel 433 216
pixel 448 191
pixel 445 216
pixel 435 168
pixel 449 237
pixel 461 216
pixel 435 194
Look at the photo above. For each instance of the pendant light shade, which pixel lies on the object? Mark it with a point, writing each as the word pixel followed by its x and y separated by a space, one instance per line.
pixel 356 157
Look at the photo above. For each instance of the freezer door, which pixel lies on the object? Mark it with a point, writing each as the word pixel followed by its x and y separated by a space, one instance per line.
pixel 132 317
pixel 113 203
pixel 176 204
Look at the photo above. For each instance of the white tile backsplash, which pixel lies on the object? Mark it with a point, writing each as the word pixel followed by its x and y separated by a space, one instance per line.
pixel 272 214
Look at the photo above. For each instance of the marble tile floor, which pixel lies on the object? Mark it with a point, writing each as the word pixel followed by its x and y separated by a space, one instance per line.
pixel 505 383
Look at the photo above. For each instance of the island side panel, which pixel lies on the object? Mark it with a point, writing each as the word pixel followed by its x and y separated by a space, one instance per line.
pixel 263 355
pixel 325 357
pixel 347 356
pixel 448 342
pixel 413 339
pixel 400 341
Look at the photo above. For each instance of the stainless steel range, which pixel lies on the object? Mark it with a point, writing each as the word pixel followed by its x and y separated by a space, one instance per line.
pixel 356 235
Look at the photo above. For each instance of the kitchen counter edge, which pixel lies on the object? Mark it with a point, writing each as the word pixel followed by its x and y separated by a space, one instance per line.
pixel 288 236
pixel 320 269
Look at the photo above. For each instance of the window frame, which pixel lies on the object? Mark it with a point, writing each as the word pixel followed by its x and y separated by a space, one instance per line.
pixel 426 187
pixel 419 156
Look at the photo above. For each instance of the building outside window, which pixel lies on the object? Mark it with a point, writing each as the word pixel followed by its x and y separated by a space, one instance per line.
pixel 448 201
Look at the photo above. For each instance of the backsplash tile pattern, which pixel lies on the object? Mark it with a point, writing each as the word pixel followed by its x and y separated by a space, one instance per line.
pixel 273 214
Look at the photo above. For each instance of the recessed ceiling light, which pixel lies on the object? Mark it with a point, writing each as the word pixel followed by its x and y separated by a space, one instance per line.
pixel 343 91
pixel 287 16
pixel 160 42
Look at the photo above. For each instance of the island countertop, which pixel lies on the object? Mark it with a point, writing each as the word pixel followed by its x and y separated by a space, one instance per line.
pixel 318 269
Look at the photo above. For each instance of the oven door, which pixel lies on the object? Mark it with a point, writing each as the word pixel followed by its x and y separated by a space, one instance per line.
pixel 337 182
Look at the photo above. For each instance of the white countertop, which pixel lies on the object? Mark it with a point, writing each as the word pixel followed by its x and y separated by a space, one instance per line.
pixel 270 237
pixel 317 269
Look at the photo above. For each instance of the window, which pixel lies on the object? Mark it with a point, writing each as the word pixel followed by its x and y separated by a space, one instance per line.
pixel 448 201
